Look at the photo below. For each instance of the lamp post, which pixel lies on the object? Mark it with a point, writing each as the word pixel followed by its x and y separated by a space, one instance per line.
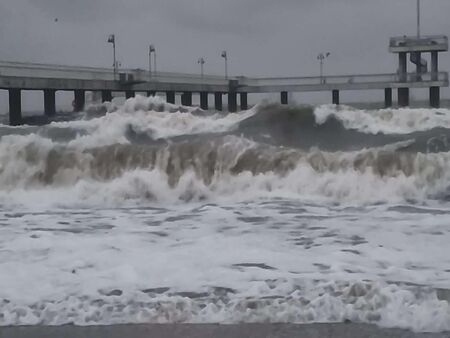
pixel 225 56
pixel 418 19
pixel 112 39
pixel 151 50
pixel 201 62
pixel 321 57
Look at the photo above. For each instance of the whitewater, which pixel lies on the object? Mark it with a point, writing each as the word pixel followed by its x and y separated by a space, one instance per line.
pixel 149 212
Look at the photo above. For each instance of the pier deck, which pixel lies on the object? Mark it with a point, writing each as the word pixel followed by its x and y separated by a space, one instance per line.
pixel 17 77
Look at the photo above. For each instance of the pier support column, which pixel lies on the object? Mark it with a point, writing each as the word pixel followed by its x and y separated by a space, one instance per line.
pixel 204 100
pixel 419 66
pixel 151 94
pixel 403 97
pixel 129 94
pixel 50 102
pixel 434 66
pixel 435 97
pixel 218 104
pixel 107 96
pixel 336 99
pixel 244 101
pixel 284 98
pixel 402 67
pixel 232 102
pixel 80 100
pixel 170 97
pixel 387 97
pixel 15 107
pixel 186 99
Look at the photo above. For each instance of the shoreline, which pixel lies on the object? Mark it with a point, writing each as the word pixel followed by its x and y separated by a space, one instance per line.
pixel 213 331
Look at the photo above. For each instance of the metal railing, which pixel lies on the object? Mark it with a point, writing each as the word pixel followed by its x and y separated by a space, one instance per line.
pixel 36 70
pixel 344 79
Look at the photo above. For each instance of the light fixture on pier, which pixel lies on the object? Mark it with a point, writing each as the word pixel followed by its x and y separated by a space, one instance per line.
pixel 225 56
pixel 201 62
pixel 112 39
pixel 152 50
pixel 321 57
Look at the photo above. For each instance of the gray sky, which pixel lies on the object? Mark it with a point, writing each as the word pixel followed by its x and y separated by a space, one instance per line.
pixel 263 37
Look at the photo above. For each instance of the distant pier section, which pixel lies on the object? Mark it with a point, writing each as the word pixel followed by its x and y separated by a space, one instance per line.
pixel 421 52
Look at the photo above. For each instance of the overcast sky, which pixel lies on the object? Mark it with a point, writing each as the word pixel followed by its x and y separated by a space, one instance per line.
pixel 262 37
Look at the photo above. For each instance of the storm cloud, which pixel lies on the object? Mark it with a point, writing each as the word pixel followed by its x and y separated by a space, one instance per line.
pixel 262 37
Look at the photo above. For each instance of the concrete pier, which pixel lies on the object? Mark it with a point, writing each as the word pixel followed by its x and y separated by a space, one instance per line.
pixel 232 102
pixel 435 97
pixel 79 100
pixel 204 100
pixel 186 99
pixel 107 96
pixel 50 102
pixel 403 97
pixel 170 97
pixel 129 94
pixel 434 66
pixel 15 107
pixel 387 97
pixel 284 98
pixel 15 77
pixel 336 98
pixel 244 101
pixel 218 102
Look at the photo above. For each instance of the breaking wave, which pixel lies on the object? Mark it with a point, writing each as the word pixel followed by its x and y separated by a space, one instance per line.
pixel 277 301
pixel 148 150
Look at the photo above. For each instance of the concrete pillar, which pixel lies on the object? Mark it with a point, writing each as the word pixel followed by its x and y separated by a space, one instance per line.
pixel 434 66
pixel 107 96
pixel 232 95
pixel 232 102
pixel 50 102
pixel 218 105
pixel 387 97
pixel 284 98
pixel 129 94
pixel 186 99
pixel 435 97
pixel 244 101
pixel 151 93
pixel 80 100
pixel 336 97
pixel 403 97
pixel 15 107
pixel 170 97
pixel 402 67
pixel 204 100
pixel 418 65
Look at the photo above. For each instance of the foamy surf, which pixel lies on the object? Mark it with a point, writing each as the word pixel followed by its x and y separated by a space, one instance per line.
pixel 156 213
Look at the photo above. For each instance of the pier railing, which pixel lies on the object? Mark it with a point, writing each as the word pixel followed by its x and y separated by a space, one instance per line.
pixel 143 79
pixel 45 71
pixel 369 81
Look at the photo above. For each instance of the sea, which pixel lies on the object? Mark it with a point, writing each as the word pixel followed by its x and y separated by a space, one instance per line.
pixel 148 212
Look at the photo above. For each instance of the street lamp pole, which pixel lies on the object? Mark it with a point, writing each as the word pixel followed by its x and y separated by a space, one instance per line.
pixel 225 56
pixel 201 62
pixel 151 50
pixel 112 39
pixel 418 19
pixel 321 57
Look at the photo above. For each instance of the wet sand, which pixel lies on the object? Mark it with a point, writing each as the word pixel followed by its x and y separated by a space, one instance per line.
pixel 214 331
